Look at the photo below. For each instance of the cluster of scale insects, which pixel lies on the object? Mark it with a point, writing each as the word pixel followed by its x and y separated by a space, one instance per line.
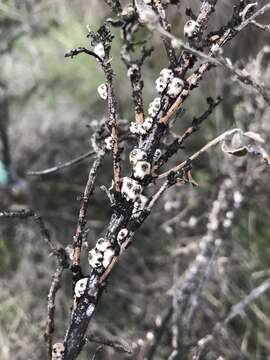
pixel 166 84
pixel 132 187
pixel 169 87
pixel 102 254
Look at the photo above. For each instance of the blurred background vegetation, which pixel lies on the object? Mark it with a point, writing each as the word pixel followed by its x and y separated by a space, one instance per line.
pixel 49 107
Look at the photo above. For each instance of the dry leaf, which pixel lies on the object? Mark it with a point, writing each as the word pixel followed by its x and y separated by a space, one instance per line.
pixel 254 136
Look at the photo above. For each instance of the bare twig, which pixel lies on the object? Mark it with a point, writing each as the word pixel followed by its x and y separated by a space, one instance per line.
pixel 206 147
pixel 26 213
pixel 195 126
pixel 239 308
pixel 261 26
pixel 245 78
pixel 55 286
pixel 56 168
pixel 118 344
pixel 134 72
pixel 82 50
pixel 250 20
pixel 20 214
pixel 4 123
pixel 56 279
pixel 167 27
pixel 77 243
pixel 175 316
pixel 111 122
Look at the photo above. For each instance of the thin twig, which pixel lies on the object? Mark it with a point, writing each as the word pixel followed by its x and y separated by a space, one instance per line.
pixel 82 50
pixel 77 243
pixel 195 126
pixel 253 17
pixel 261 26
pixel 175 315
pixel 167 27
pixel 60 167
pixel 26 213
pixel 206 147
pixel 239 308
pixel 55 286
pixel 56 279
pixel 116 343
pixel 4 123
pixel 245 78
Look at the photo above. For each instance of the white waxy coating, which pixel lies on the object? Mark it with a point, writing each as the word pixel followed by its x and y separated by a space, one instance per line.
pixel 132 70
pixel 148 123
pixel 157 155
pixel 102 91
pixel 102 244
pixel 191 28
pixel 108 143
pixel 137 129
pixel 139 205
pixel 160 84
pixel 58 351
pixel 166 74
pixel 154 106
pixel 141 170
pixel 130 189
pixel 137 155
pixel 80 287
pixel 175 87
pixel 95 258
pixel 99 50
pixel 123 233
pixel 133 128
pixel 141 130
pixel 107 258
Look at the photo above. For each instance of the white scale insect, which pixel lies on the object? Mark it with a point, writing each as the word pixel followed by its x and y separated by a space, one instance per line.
pixel 99 50
pixel 137 155
pixel 108 143
pixel 141 170
pixel 175 87
pixel 157 155
pixel 95 258
pixel 58 351
pixel 121 236
pixel 154 107
pixel 107 257
pixel 139 205
pixel 141 129
pixel 130 189
pixel 102 244
pixel 102 91
pixel 132 70
pixel 165 76
pixel 191 28
pixel 141 167
pixel 80 287
pixel 137 129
